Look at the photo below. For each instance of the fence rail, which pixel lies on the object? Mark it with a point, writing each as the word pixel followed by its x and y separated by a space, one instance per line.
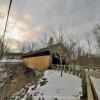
pixel 91 91
pixel 89 88
pixel 94 68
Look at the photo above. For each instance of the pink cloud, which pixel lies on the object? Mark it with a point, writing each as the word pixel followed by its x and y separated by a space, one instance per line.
pixel 32 34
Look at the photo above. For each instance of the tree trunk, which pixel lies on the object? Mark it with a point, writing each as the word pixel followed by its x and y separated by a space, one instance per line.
pixel 74 69
pixel 61 66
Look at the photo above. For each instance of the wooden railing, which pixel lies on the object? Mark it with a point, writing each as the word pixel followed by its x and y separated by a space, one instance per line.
pixel 91 92
pixel 94 91
pixel 94 68
pixel 58 67
pixel 89 88
pixel 69 68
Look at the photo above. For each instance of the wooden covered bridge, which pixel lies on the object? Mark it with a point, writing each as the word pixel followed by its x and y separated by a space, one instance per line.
pixel 44 58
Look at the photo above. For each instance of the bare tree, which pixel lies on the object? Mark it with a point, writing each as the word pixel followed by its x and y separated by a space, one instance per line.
pixel 90 61
pixel 61 52
pixel 59 34
pixel 96 32
pixel 27 47
pixel 21 47
pixel 79 52
pixel 33 46
pixel 71 53
pixel 1 50
pixel 44 40
pixel 30 46
pixel 4 49
pixel 89 44
pixel 73 49
pixel 59 38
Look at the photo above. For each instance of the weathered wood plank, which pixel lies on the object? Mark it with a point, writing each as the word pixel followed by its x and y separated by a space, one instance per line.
pixel 94 90
pixel 89 89
pixel 39 63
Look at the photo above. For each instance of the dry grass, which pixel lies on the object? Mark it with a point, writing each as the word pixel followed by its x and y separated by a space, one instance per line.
pixel 22 80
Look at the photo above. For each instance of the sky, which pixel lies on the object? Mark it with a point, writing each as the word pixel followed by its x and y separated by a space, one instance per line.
pixel 30 19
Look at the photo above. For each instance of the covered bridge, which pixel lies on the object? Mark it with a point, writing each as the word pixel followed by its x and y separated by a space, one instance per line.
pixel 44 58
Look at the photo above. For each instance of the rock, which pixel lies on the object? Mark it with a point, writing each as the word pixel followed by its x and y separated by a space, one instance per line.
pixel 43 98
pixel 29 98
pixel 33 87
pixel 21 96
pixel 39 98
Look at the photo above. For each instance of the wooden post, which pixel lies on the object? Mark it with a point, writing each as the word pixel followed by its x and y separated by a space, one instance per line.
pixel 84 85
pixel 51 64
pixel 64 69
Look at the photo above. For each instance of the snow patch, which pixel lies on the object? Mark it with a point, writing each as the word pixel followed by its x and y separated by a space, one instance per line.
pixel 10 60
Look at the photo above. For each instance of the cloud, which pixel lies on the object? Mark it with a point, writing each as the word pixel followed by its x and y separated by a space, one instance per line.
pixel 78 16
pixel 27 17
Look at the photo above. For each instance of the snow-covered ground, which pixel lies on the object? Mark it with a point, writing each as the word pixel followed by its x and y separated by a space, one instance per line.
pixel 96 83
pixel 52 87
pixel 10 60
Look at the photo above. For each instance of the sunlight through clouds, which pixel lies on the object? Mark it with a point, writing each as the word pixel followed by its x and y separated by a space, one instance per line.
pixel 18 29
pixel 29 19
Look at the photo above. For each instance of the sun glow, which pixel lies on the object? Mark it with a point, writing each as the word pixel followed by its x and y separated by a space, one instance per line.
pixel 19 29
pixel 14 32
pixel 12 29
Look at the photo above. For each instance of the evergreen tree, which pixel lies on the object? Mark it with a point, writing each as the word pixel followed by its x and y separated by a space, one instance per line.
pixel 51 41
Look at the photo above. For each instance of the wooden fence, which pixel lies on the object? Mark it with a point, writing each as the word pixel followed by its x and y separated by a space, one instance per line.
pixel 65 68
pixel 58 67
